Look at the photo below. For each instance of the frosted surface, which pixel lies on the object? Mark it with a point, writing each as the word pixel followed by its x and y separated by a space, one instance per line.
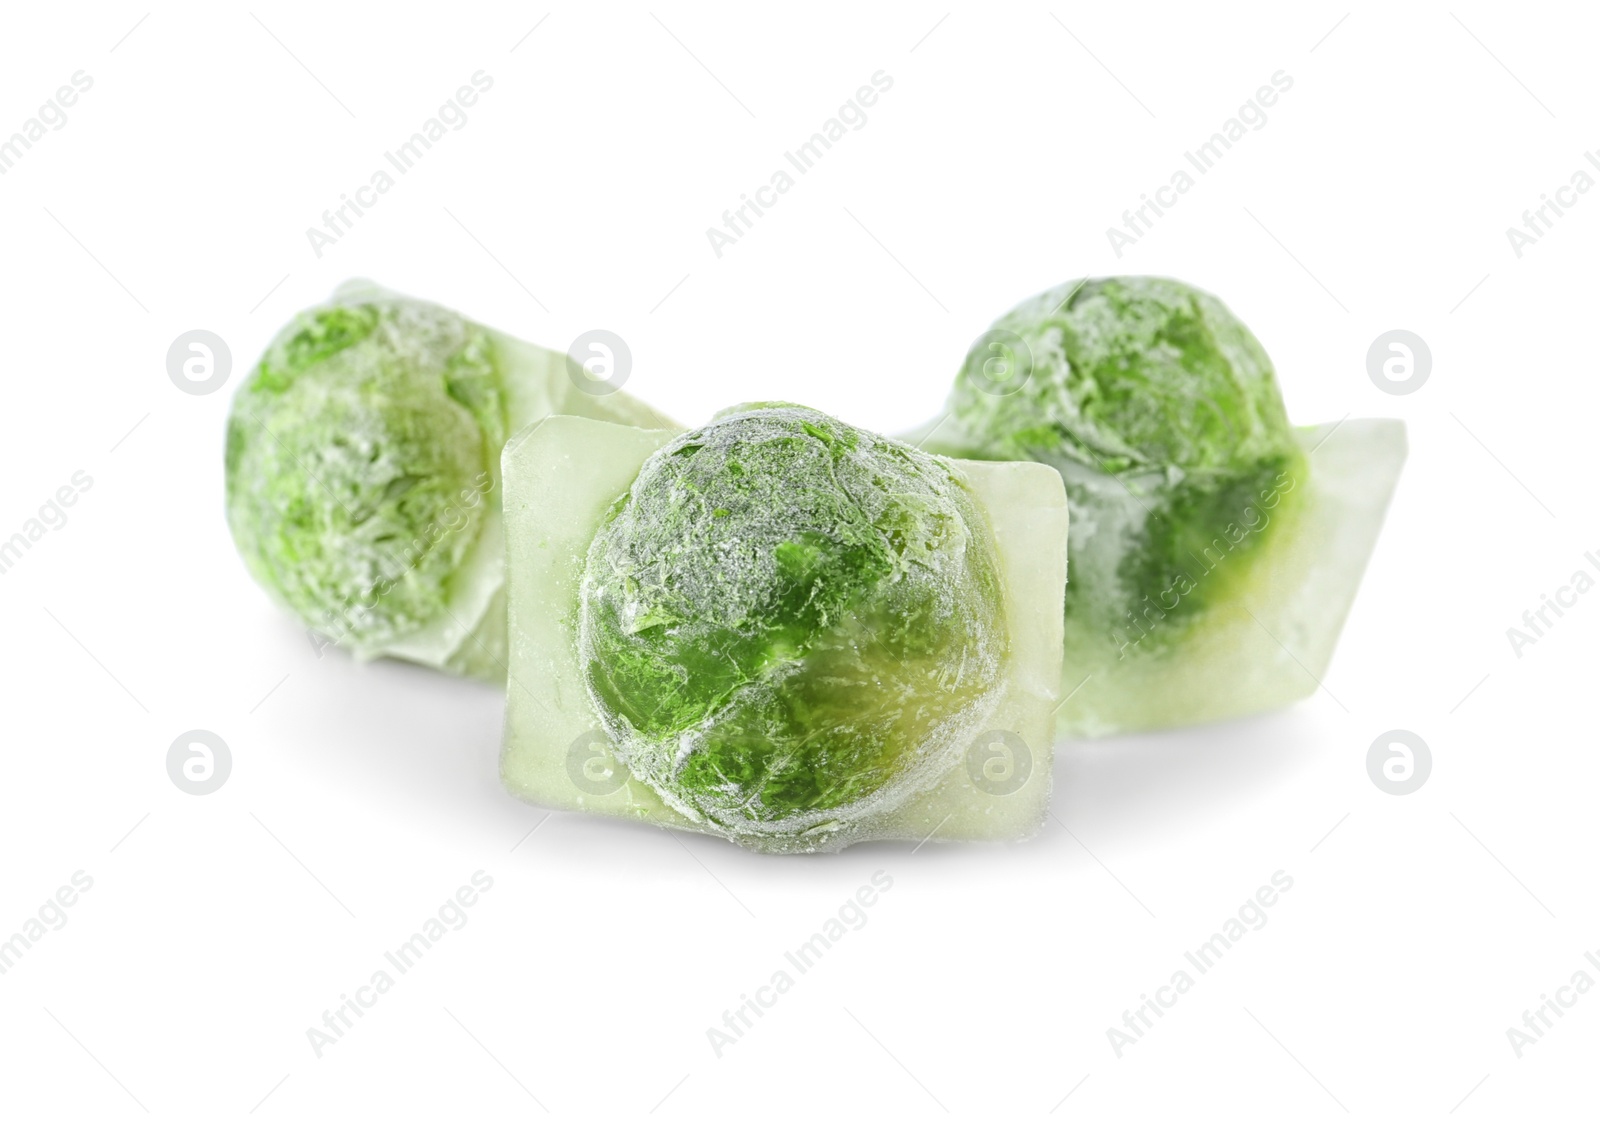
pixel 363 472
pixel 572 473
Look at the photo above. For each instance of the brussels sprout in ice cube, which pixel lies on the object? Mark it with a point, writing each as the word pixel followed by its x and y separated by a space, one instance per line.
pixel 781 630
pixel 363 472
pixel 1162 413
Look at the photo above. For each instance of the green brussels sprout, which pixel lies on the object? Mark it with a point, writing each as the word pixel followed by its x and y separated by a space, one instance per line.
pixel 363 469
pixel 1214 551
pixel 787 619
pixel 1162 414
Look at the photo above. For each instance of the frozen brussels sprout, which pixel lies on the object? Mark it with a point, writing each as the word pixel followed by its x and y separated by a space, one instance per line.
pixel 363 472
pixel 781 630
pixel 1192 499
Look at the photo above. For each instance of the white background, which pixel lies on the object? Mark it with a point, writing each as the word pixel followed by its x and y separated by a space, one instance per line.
pixel 577 196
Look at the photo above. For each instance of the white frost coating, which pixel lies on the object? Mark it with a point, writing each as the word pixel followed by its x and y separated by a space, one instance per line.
pixel 695 549
pixel 357 455
pixel 1090 342
pixel 468 638
pixel 509 384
